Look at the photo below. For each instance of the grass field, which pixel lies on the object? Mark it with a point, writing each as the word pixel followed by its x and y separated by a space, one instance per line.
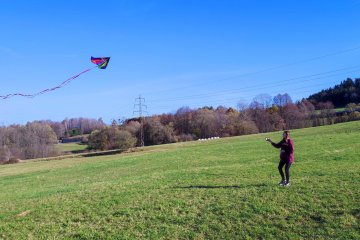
pixel 335 110
pixel 219 189
pixel 71 147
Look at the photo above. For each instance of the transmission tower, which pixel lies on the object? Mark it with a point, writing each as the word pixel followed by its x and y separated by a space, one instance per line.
pixel 141 110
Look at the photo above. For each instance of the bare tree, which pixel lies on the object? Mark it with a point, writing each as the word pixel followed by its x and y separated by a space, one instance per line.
pixel 34 140
pixel 282 100
pixel 182 120
pixel 264 100
pixel 204 123
pixel 293 117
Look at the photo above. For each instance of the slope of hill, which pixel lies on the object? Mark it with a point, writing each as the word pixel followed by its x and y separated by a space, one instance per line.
pixel 224 188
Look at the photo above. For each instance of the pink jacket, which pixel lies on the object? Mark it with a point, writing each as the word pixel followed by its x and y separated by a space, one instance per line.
pixel 287 149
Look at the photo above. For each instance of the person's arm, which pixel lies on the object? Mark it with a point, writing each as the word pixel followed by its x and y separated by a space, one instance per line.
pixel 276 145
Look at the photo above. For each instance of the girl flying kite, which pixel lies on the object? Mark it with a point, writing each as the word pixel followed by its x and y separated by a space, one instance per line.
pixel 286 157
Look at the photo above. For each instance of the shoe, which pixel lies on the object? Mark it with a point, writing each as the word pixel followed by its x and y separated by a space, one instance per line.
pixel 282 183
pixel 287 184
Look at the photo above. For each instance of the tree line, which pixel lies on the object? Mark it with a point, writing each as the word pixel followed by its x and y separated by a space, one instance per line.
pixel 348 91
pixel 34 140
pixel 264 114
pixel 38 139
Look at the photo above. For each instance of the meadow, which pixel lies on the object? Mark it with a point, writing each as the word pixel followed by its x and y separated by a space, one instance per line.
pixel 218 189
pixel 71 147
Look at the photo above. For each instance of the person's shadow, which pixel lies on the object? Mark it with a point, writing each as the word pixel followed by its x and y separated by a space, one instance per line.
pixel 220 187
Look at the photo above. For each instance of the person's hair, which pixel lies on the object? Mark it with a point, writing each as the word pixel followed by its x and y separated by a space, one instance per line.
pixel 287 133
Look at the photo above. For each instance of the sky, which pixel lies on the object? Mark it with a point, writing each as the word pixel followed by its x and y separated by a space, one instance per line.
pixel 173 53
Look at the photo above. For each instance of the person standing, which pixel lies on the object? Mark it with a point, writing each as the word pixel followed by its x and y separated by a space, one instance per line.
pixel 286 157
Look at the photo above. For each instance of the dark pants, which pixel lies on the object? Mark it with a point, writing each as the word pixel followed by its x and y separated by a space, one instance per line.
pixel 287 169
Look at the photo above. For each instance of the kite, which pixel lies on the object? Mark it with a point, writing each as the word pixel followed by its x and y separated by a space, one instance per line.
pixel 101 63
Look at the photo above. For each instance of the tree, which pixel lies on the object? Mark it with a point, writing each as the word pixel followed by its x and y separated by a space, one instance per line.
pixel 247 127
pixel 205 124
pixel 308 111
pixel 111 138
pixel 34 140
pixel 348 91
pixel 241 106
pixel 183 120
pixel 38 140
pixel 133 127
pixel 155 133
pixel 282 100
pixel 264 100
pixel 352 107
pixel 306 106
pixel 293 117
pixel 266 120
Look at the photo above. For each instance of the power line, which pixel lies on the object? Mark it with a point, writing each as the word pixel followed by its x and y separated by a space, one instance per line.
pixel 263 70
pixel 231 100
pixel 264 86
pixel 139 102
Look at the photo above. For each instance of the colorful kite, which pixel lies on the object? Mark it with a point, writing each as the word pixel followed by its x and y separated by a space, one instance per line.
pixel 100 62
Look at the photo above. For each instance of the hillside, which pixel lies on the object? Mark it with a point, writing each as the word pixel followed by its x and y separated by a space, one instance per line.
pixel 225 188
pixel 348 91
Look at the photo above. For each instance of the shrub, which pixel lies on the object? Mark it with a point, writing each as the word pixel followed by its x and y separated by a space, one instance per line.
pixel 156 133
pixel 125 140
pixel 4 154
pixel 111 138
pixel 185 137
pixel 13 160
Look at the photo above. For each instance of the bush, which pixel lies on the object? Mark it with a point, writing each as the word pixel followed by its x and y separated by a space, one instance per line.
pixel 354 116
pixel 155 133
pixel 351 106
pixel 185 137
pixel 84 140
pixel 111 138
pixel 13 160
pixel 4 154
pixel 125 140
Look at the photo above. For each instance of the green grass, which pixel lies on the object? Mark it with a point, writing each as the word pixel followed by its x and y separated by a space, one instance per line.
pixel 71 147
pixel 335 110
pixel 340 109
pixel 219 189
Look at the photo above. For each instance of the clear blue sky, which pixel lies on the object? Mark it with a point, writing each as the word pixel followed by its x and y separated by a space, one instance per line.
pixel 173 52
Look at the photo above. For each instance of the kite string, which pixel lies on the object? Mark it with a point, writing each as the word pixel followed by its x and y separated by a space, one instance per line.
pixel 64 83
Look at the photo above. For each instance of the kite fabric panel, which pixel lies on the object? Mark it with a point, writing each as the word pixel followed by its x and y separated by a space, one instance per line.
pixel 100 62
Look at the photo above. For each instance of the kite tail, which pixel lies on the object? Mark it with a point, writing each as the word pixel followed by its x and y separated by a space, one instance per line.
pixel 64 83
